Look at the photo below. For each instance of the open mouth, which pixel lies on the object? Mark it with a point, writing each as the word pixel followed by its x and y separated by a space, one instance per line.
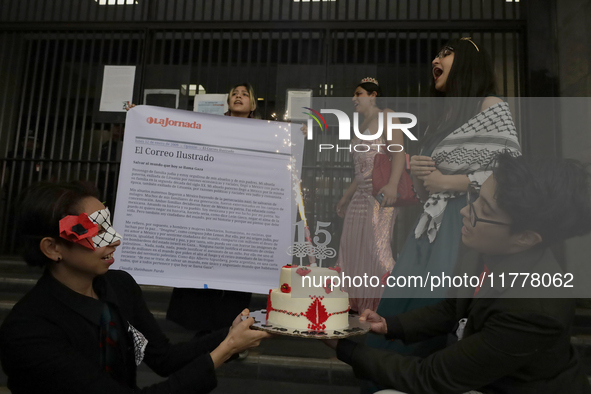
pixel 108 257
pixel 437 72
pixel 237 102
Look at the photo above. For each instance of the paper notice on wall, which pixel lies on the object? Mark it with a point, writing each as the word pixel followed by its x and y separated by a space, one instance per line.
pixel 205 201
pixel 215 104
pixel 117 88
pixel 297 102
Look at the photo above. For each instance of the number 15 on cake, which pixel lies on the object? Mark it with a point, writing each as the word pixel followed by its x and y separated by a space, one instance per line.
pixel 303 247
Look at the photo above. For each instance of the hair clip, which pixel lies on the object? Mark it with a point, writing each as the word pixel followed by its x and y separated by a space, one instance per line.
pixel 470 39
pixel 370 80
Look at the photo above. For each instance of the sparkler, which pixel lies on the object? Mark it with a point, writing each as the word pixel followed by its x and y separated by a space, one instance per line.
pixel 296 185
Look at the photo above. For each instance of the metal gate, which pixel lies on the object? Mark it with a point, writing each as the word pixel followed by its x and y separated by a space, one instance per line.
pixel 50 72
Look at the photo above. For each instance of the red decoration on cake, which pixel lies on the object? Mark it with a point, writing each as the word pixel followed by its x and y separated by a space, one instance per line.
pixel 287 266
pixel 337 269
pixel 269 305
pixel 303 271
pixel 317 315
pixel 384 279
pixel 285 288
pixel 328 286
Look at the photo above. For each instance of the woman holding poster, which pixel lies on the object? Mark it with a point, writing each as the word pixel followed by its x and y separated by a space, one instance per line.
pixel 367 230
pixel 84 328
pixel 218 307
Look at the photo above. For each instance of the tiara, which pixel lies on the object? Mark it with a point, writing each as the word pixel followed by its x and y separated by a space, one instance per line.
pixel 370 80
pixel 470 39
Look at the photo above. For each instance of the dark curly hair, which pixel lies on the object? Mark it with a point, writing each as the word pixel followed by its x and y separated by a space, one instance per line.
pixel 551 196
pixel 41 207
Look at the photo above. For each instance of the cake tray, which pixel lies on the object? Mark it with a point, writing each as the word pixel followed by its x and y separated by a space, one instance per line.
pixel 355 328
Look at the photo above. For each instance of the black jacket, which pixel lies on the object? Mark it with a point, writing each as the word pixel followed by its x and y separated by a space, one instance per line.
pixel 49 343
pixel 510 345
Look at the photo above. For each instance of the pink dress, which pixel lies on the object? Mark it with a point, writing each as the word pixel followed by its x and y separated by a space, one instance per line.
pixel 367 234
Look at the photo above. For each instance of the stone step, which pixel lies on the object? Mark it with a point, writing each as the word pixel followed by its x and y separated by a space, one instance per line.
pixel 319 371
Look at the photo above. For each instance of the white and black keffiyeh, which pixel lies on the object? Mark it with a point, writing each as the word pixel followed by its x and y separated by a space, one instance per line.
pixel 469 150
pixel 103 219
pixel 139 344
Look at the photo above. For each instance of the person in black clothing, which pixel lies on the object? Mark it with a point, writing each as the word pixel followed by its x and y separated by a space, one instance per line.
pixel 84 328
pixel 511 339
pixel 218 306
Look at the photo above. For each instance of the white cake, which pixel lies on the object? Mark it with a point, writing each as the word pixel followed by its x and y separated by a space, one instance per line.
pixel 323 308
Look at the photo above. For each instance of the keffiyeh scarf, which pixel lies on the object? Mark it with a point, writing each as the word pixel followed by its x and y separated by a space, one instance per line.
pixel 469 150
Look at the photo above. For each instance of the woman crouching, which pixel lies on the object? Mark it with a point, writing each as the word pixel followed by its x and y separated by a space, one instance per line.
pixel 84 328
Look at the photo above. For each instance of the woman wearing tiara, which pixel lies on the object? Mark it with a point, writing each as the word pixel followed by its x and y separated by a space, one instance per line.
pixel 465 132
pixel 367 230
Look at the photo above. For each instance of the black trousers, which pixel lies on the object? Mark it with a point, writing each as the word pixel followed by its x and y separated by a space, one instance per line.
pixel 206 309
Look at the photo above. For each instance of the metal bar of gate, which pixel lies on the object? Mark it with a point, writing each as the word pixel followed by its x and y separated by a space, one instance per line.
pixel 102 183
pixel 102 38
pixel 78 170
pixel 75 112
pixel 190 68
pixel 231 54
pixel 200 61
pixel 505 76
pixel 3 71
pixel 10 239
pixel 269 51
pixel 259 47
pixel 4 238
pixel 248 58
pixel 29 176
pixel 112 166
pixel 19 126
pixel 85 115
pixel 220 51
pixel 40 104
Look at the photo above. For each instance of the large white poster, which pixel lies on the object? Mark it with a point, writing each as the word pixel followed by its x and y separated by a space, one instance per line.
pixel 205 201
